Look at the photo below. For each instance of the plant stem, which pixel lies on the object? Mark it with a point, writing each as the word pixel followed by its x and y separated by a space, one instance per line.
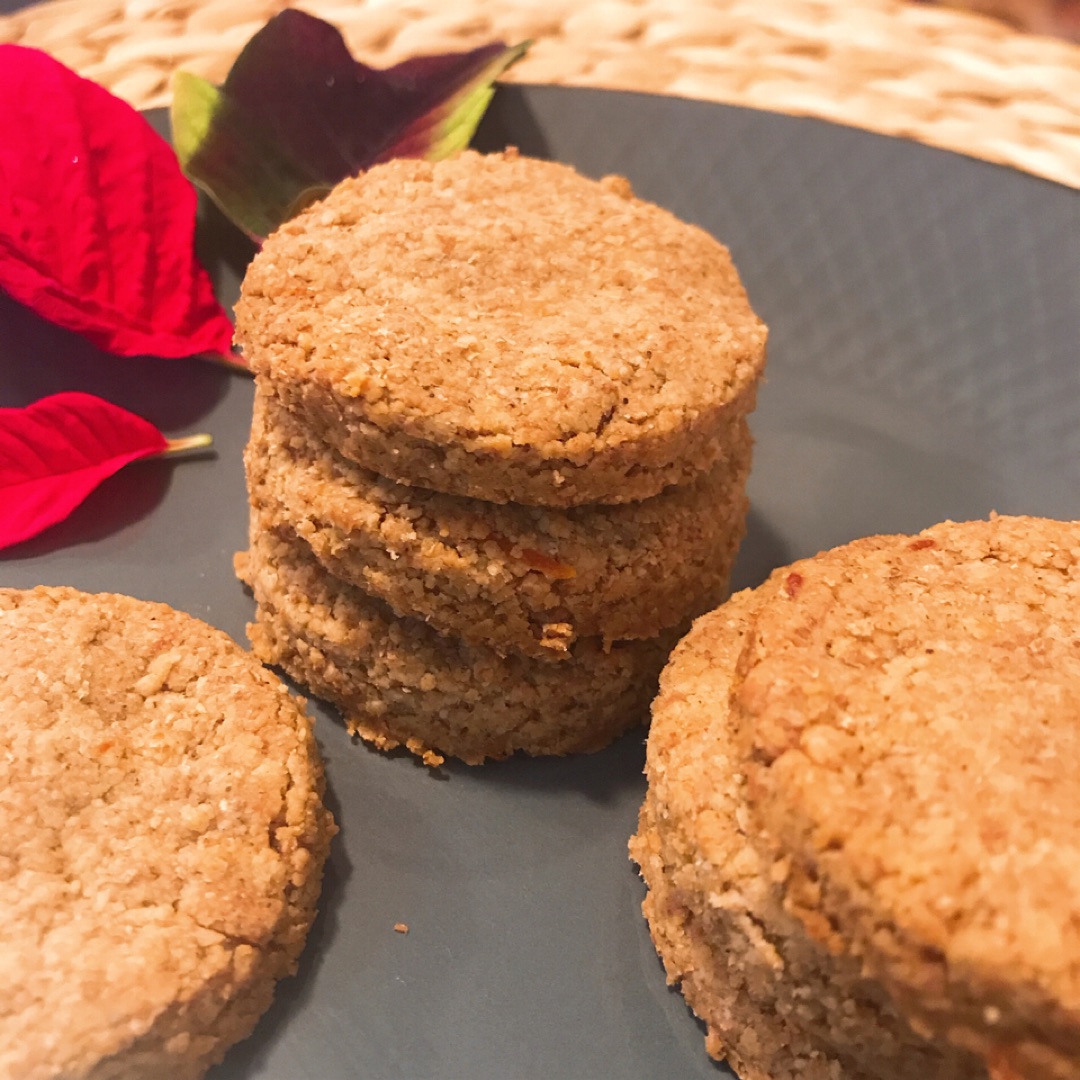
pixel 188 442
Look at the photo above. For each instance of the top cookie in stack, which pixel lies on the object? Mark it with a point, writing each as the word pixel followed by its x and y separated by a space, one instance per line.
pixel 569 368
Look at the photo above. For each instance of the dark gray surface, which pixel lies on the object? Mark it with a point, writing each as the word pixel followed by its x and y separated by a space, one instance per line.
pixel 925 318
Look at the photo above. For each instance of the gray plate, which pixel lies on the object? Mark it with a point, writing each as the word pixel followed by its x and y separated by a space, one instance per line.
pixel 925 319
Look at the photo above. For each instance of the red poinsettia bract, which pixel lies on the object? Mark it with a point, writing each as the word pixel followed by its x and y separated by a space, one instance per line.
pixel 54 453
pixel 97 222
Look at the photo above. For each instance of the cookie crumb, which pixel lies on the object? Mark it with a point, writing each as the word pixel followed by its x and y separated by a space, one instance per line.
pixel 401 928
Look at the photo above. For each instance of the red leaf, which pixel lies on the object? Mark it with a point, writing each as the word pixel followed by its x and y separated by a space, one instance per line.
pixel 55 452
pixel 97 222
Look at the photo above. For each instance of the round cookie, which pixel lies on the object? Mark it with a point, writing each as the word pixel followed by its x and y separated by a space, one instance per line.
pixel 504 328
pixel 909 711
pixel 399 683
pixel 777 1004
pixel 522 579
pixel 162 838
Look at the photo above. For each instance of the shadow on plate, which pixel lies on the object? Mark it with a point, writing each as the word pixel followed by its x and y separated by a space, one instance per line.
pixel 763 550
pixel 601 777
pixel 121 500
pixel 224 250
pixel 38 359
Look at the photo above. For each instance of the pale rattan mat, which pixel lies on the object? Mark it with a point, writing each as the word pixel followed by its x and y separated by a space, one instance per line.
pixel 943 77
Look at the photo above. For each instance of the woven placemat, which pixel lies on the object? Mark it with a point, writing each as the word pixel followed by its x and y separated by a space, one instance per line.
pixel 944 77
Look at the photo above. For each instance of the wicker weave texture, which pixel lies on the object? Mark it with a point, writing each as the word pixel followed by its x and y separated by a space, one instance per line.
pixel 947 78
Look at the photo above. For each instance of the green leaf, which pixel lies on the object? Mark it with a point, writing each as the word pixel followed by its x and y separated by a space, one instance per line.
pixel 297 114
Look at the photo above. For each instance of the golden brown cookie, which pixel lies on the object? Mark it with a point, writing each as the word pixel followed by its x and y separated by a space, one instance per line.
pixel 506 329
pixel 909 710
pixel 162 838
pixel 777 1003
pixel 399 683
pixel 513 578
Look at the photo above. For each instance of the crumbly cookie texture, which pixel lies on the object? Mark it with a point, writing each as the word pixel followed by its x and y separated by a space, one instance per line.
pixel 504 328
pixel 908 711
pixel 162 838
pixel 399 683
pixel 777 1003
pixel 521 579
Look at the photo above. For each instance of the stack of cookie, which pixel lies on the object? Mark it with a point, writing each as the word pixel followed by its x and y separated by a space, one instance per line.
pixel 861 837
pixel 499 451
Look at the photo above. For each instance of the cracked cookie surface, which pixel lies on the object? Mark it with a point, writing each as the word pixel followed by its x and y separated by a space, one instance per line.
pixel 777 1003
pixel 504 328
pixel 162 838
pixel 908 709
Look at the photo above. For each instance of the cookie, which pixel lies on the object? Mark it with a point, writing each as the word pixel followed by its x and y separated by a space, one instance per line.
pixel 517 579
pixel 399 683
pixel 777 1003
pixel 909 714
pixel 503 328
pixel 162 838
